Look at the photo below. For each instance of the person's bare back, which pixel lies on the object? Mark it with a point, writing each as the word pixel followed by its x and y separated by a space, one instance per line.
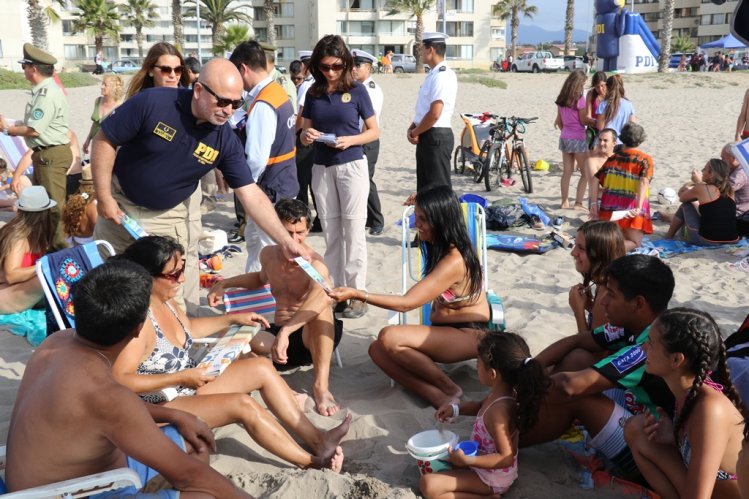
pixel 71 385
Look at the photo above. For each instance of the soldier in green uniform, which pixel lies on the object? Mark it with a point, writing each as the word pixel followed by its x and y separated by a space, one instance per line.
pixel 45 129
pixel 279 77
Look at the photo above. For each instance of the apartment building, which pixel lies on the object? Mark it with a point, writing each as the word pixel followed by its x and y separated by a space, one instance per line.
pixel 700 20
pixel 476 38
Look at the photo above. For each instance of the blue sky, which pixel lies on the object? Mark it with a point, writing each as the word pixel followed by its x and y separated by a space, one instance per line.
pixel 551 14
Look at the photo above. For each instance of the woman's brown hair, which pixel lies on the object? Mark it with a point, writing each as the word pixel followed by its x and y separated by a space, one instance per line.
pixel 330 46
pixel 614 94
pixel 37 227
pixel 142 80
pixel 604 243
pixel 572 90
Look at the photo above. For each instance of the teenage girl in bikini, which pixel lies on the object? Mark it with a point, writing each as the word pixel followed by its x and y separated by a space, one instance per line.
pixel 695 454
pixel 453 283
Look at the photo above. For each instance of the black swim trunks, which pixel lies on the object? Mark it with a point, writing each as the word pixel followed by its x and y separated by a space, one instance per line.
pixel 297 353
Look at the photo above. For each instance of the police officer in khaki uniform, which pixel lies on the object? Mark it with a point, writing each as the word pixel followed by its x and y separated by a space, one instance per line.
pixel 45 129
pixel 276 75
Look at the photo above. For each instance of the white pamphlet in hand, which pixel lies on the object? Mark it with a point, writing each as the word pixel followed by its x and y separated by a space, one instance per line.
pixel 327 138
pixel 312 273
pixel 619 215
pixel 227 349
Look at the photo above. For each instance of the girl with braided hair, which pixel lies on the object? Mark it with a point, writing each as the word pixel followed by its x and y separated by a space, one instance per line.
pixel 518 383
pixel 693 456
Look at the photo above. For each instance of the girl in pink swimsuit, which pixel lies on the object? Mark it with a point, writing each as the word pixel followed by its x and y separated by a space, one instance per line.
pixel 517 383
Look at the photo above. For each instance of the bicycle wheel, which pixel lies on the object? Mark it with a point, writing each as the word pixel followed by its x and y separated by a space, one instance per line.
pixel 459 160
pixel 493 170
pixel 479 166
pixel 521 162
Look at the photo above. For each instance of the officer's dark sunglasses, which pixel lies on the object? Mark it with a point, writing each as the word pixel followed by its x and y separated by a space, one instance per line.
pixel 223 101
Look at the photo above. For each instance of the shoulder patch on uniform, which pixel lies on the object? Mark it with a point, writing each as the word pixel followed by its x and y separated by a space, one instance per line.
pixel 443 68
pixel 37 114
pixel 372 84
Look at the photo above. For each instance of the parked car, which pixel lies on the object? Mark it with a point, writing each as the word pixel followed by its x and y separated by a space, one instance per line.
pixel 573 62
pixel 536 62
pixel 403 63
pixel 123 66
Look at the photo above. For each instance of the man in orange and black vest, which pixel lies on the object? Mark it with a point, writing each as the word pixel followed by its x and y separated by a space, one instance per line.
pixel 271 139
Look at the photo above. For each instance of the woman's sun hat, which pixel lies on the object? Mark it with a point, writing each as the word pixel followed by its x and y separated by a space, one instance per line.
pixel 34 198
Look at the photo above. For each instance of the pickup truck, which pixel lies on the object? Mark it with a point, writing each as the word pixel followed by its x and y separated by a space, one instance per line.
pixel 536 62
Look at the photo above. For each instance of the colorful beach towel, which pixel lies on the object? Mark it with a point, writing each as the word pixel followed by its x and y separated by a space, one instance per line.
pixel 519 244
pixel 242 301
pixel 592 464
pixel 30 323
pixel 668 248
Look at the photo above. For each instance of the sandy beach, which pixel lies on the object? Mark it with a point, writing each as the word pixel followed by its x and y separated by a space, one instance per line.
pixel 688 117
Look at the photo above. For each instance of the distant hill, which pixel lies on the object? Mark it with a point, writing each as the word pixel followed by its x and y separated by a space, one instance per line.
pixel 535 35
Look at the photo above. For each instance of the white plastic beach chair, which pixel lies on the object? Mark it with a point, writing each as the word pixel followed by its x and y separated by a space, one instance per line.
pixel 77 487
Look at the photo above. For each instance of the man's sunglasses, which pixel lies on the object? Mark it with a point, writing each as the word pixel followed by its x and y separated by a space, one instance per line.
pixel 167 70
pixel 339 66
pixel 223 101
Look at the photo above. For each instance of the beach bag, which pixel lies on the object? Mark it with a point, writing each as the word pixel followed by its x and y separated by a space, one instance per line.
pixel 503 217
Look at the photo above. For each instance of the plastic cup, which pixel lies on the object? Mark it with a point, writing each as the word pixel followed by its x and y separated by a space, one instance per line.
pixel 469 447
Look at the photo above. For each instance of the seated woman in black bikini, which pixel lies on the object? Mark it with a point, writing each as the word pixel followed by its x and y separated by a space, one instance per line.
pixel 453 283
pixel 713 220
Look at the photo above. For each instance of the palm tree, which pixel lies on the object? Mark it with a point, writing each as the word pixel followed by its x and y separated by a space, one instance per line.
pixel 139 14
pixel 414 8
pixel 668 25
pixel 99 18
pixel 39 17
pixel 270 21
pixel 682 44
pixel 235 34
pixel 569 26
pixel 513 9
pixel 217 13
pixel 179 37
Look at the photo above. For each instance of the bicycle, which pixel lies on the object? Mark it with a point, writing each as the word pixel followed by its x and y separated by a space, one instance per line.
pixel 507 153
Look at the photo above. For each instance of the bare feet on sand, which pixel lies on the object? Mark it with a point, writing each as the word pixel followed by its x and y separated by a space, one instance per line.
pixel 580 207
pixel 325 404
pixel 328 453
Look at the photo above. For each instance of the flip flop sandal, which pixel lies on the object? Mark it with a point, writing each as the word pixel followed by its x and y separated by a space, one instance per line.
pixel 742 265
pixel 232 248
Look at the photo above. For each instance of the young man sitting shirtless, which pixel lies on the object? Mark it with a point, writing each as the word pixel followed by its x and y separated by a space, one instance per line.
pixel 72 419
pixel 304 329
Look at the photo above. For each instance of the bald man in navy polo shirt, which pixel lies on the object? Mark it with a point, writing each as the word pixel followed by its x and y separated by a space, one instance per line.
pixel 168 139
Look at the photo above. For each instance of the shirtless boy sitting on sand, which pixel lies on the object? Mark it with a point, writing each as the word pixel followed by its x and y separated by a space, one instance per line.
pixel 71 418
pixel 304 330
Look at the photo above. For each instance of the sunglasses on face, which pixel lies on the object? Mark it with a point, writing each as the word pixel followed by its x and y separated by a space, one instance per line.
pixel 167 70
pixel 174 276
pixel 339 66
pixel 223 101
pixel 25 65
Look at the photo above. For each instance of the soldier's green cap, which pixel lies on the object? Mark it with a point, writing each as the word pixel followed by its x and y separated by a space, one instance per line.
pixel 267 47
pixel 33 55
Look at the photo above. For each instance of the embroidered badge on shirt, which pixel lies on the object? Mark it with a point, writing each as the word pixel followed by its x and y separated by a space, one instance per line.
pixel 164 131
pixel 205 154
pixel 629 359
pixel 346 98
pixel 37 114
pixel 372 84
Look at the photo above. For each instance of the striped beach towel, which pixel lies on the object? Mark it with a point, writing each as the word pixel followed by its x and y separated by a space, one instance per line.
pixel 259 301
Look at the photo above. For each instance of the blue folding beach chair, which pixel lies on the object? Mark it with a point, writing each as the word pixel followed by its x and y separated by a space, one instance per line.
pixel 58 272
pixel 413 263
